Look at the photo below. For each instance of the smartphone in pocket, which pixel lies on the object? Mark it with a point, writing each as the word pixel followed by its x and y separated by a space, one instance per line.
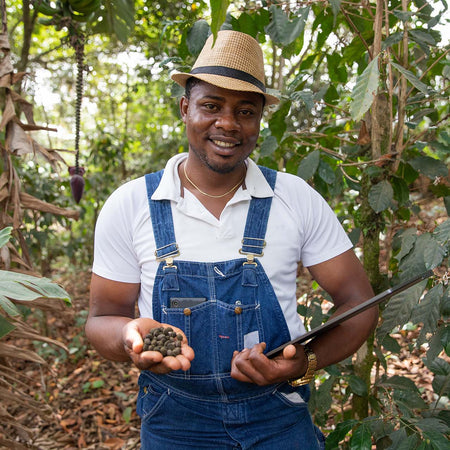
pixel 186 302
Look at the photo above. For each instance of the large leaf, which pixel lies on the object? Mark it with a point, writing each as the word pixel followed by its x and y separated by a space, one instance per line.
pixel 442 232
pixel 309 165
pixel 197 36
pixel 438 440
pixel 380 196
pixel 422 87
pixel 430 167
pixel 339 433
pixel 18 286
pixel 365 88
pixel 5 235
pixel 414 262
pixel 282 30
pixel 277 123
pixel 268 146
pixel 218 15
pixel 361 439
pixel 5 327
pixel 8 306
pixel 399 309
pixel 117 19
pixel 428 312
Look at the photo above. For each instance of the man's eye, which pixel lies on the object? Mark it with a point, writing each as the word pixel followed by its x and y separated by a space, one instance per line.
pixel 247 112
pixel 210 106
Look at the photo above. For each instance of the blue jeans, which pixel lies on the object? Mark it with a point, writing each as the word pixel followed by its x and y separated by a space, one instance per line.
pixel 278 419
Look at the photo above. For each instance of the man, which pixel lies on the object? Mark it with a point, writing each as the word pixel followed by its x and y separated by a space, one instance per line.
pixel 210 247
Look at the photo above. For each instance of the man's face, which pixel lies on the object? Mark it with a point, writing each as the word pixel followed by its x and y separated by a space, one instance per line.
pixel 222 126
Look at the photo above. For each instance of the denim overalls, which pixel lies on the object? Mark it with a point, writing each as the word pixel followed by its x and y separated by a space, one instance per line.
pixel 225 306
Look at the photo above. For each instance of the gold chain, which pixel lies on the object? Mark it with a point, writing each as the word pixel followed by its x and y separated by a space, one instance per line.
pixel 205 193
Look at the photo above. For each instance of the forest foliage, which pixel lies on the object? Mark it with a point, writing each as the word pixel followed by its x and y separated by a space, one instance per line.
pixel 363 118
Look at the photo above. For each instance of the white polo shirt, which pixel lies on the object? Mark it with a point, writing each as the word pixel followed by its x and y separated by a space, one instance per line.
pixel 301 227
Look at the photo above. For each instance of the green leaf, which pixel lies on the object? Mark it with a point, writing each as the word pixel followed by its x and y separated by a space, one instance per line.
pixel 268 146
pixel 305 97
pixel 282 30
pixel 118 19
pixel 408 239
pixel 8 306
pixel 197 36
pixel 17 286
pixel 447 204
pixel 407 401
pixel 398 310
pixel 309 165
pixel 335 7
pixel 438 440
pixel 404 16
pixel 341 431
pixel 5 235
pixel 433 254
pixel 380 196
pixel 401 190
pixel 445 339
pixel 392 39
pixel 96 384
pixel 421 37
pixel 391 344
pixel 432 424
pixel 326 172
pixel 414 262
pixel 428 312
pixel 399 382
pixel 442 232
pixel 5 326
pixel 218 15
pixel 361 439
pixel 126 415
pixel 277 122
pixel 357 385
pixel 247 24
pixel 364 90
pixel 430 167
pixel 422 87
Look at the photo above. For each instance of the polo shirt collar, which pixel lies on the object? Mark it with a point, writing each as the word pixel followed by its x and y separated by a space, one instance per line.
pixel 170 186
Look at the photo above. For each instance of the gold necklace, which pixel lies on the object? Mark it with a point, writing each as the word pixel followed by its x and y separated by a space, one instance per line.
pixel 205 193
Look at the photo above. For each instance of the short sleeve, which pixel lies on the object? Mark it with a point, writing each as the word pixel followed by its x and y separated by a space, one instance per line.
pixel 114 253
pixel 324 238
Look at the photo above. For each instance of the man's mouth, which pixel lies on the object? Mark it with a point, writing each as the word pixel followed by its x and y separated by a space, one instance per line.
pixel 225 144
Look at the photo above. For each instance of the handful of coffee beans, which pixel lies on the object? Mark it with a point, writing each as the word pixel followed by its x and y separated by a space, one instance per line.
pixel 163 340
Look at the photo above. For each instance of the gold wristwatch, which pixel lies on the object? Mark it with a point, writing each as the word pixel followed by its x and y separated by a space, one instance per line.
pixel 309 375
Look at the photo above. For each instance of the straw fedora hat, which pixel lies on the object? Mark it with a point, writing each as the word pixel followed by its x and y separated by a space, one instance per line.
pixel 234 62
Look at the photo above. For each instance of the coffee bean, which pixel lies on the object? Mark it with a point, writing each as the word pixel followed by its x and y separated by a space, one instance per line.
pixel 163 340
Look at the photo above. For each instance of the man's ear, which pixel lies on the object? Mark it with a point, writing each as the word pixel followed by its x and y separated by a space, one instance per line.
pixel 184 104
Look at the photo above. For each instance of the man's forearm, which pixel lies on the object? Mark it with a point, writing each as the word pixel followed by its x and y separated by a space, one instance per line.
pixel 345 339
pixel 106 335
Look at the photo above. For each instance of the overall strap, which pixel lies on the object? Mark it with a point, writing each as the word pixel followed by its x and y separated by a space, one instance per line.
pixel 253 241
pixel 162 221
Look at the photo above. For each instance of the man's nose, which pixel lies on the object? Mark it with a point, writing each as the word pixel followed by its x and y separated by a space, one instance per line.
pixel 227 121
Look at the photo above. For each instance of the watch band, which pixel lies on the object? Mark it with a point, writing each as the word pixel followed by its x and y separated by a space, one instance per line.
pixel 309 374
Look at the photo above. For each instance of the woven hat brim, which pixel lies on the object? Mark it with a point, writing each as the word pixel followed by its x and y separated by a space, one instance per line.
pixel 225 83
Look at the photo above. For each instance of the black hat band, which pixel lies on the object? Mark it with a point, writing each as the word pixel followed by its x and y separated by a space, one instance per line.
pixel 230 73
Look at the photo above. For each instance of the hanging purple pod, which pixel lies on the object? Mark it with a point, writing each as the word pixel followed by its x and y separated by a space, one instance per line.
pixel 77 182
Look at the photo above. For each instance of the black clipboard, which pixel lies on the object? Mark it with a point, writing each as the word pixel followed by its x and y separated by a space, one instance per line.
pixel 354 311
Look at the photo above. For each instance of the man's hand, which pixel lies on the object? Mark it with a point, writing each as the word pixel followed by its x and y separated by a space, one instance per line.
pixel 133 333
pixel 252 366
